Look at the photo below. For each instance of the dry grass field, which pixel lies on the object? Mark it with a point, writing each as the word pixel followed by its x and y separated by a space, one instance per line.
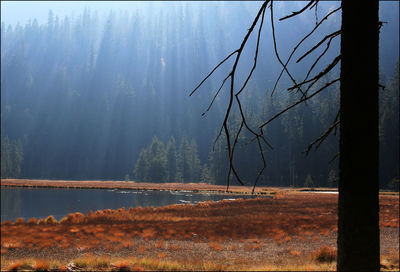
pixel 291 231
pixel 130 185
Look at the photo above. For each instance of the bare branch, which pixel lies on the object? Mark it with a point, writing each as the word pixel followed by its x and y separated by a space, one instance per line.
pixel 255 56
pixel 277 55
pixel 232 76
pixel 300 101
pixel 332 35
pixel 264 165
pixel 334 158
pixel 298 44
pixel 316 13
pixel 215 96
pixel 320 75
pixel 294 13
pixel 213 70
pixel 336 118
pixel 243 122
pixel 321 139
pixel 319 57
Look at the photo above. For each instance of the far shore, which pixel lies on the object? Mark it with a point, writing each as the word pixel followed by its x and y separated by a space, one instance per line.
pixel 168 186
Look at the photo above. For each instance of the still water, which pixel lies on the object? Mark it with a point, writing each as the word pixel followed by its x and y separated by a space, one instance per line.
pixel 39 203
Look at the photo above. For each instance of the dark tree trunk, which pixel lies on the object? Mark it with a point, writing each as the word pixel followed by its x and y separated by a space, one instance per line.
pixel 358 226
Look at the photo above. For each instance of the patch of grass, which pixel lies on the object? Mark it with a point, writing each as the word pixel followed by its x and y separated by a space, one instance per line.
pixel 390 261
pixel 325 254
pixel 41 265
pixel 19 265
pixel 122 265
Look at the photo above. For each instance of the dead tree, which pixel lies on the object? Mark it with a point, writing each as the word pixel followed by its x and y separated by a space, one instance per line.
pixel 358 225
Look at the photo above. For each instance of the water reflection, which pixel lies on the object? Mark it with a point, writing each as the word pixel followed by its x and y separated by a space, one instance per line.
pixel 39 203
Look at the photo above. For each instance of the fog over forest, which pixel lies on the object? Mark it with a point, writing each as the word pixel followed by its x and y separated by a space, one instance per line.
pixel 105 95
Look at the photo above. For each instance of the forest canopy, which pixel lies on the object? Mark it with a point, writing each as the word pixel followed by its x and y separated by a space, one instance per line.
pixel 102 98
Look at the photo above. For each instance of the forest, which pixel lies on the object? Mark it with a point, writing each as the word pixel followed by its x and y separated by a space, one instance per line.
pixel 108 99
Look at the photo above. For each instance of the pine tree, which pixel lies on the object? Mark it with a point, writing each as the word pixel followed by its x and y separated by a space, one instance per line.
pixel 194 162
pixel 183 166
pixel 157 161
pixel 206 175
pixel 141 166
pixel 171 159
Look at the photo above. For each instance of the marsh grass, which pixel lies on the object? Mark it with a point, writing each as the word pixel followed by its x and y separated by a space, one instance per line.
pixel 254 234
pixel 325 254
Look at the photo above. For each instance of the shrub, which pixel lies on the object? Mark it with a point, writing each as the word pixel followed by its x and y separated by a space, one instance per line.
pixel 19 220
pixel 325 254
pixel 41 265
pixel 309 182
pixel 50 220
pixel 32 221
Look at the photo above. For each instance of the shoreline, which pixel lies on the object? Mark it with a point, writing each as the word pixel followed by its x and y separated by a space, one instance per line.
pixel 167 186
pixel 286 232
pixel 147 186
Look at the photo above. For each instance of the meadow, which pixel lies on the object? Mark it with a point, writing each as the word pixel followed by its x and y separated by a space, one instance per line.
pixel 290 231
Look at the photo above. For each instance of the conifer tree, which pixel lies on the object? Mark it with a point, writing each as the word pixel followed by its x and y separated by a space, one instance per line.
pixel 141 166
pixel 183 166
pixel 157 161
pixel 171 159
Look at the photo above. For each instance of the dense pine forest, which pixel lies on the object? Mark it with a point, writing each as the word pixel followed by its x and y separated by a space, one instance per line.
pixel 108 98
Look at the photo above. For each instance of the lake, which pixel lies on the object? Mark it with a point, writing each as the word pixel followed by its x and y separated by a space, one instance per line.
pixel 39 203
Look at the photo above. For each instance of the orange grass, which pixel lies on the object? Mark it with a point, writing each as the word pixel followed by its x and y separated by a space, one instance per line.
pixel 290 217
pixel 297 215
pixel 123 185
pixel 325 254
pixel 41 265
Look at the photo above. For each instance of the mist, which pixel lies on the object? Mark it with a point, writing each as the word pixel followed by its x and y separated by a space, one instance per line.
pixel 100 90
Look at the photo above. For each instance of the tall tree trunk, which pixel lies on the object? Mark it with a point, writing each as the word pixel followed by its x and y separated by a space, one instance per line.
pixel 358 226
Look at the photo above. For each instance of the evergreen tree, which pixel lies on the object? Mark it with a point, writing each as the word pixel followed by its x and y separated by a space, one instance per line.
pixel 309 182
pixel 12 157
pixel 183 161
pixel 171 159
pixel 157 162
pixel 141 166
pixel 206 175
pixel 194 162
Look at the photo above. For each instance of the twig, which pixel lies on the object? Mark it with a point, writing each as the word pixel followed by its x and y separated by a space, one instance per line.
pixel 264 165
pixel 298 102
pixel 298 44
pixel 332 35
pixel 319 57
pixel 320 75
pixel 321 139
pixel 215 96
pixel 277 55
pixel 334 158
pixel 213 70
pixel 294 13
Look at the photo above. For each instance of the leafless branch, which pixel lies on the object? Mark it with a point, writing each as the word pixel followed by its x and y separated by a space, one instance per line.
pixel 234 97
pixel 336 118
pixel 298 44
pixel 321 139
pixel 319 75
pixel 277 55
pixel 213 70
pixel 319 57
pixel 263 167
pixel 294 13
pixel 216 94
pixel 316 13
pixel 334 158
pixel 300 101
pixel 330 36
